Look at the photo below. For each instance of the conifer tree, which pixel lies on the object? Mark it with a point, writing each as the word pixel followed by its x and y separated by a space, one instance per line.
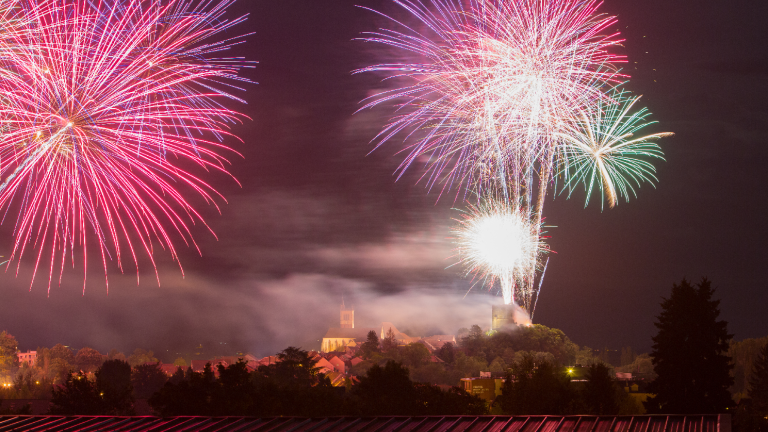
pixel 690 354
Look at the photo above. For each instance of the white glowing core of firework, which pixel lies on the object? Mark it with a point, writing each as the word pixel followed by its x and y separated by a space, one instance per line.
pixel 501 241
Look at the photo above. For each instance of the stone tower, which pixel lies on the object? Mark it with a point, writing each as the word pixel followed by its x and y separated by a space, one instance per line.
pixel 502 316
pixel 347 316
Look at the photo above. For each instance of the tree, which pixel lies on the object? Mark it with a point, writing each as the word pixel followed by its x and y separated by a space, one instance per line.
pixel 387 390
pixel 180 362
pixel 474 342
pixel 371 345
pixel 115 355
pixel 147 379
pixel 88 360
pixel 113 381
pixel 498 365
pixel 689 354
pixel 389 343
pixel 446 353
pixel 141 356
pixel 55 362
pixel 535 389
pixel 600 391
pixel 77 396
pixel 414 355
pixel 744 354
pixel 758 387
pixel 9 358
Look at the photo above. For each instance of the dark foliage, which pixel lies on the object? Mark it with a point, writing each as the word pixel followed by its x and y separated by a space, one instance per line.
pixel 689 354
pixel 147 379
pixel 113 382
pixel 446 353
pixel 388 390
pixel 78 396
pixel 600 391
pixel 534 389
pixel 752 413
pixel 370 346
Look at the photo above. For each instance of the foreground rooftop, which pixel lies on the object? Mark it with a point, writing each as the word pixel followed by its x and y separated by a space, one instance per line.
pixel 646 423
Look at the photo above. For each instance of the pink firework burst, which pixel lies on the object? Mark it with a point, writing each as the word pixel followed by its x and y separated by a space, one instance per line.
pixel 491 83
pixel 112 111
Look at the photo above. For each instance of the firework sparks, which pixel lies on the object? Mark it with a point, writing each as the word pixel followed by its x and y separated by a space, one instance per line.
pixel 505 97
pixel 499 79
pixel 108 111
pixel 604 149
pixel 495 241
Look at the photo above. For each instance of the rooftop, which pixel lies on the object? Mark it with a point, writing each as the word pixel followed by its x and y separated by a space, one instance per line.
pixel 645 423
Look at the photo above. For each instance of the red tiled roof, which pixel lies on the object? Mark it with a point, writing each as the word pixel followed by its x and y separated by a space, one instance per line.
pixel 645 423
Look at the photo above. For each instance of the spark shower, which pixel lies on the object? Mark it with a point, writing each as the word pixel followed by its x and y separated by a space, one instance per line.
pixel 503 101
pixel 112 114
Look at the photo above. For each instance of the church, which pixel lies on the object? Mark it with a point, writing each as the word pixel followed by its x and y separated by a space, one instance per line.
pixel 346 335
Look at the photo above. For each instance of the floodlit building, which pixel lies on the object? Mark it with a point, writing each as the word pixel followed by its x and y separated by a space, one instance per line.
pixel 29 357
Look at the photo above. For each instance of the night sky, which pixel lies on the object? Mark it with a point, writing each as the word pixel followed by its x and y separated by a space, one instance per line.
pixel 317 217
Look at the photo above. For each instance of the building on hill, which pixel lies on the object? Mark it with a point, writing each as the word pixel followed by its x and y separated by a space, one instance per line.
pixel 337 339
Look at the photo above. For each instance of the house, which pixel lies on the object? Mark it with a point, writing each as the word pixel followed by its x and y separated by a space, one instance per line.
pixel 338 364
pixel 434 343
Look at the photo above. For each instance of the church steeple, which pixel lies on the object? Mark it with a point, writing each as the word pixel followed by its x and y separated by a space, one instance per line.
pixel 347 316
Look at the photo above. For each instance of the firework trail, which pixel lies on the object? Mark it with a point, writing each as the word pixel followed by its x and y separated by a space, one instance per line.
pixel 495 88
pixel 110 112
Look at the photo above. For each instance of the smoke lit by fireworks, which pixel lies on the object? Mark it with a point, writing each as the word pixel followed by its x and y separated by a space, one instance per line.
pixel 110 113
pixel 500 98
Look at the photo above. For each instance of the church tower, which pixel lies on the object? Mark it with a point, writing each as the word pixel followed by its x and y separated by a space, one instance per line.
pixel 347 316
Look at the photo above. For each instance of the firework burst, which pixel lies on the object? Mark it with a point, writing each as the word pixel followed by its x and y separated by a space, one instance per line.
pixel 506 97
pixel 604 150
pixel 110 111
pixel 494 241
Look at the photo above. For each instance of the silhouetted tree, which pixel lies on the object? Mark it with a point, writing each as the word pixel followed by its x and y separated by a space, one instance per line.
pixel 234 393
pixel 147 379
pixel 386 390
pixel 191 396
pixel 431 400
pixel 77 396
pixel 600 391
pixel 758 391
pixel 689 354
pixel 533 389
pixel 371 345
pixel 113 382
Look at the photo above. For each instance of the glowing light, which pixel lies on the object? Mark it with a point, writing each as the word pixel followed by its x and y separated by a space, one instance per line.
pixel 145 138
pixel 495 241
